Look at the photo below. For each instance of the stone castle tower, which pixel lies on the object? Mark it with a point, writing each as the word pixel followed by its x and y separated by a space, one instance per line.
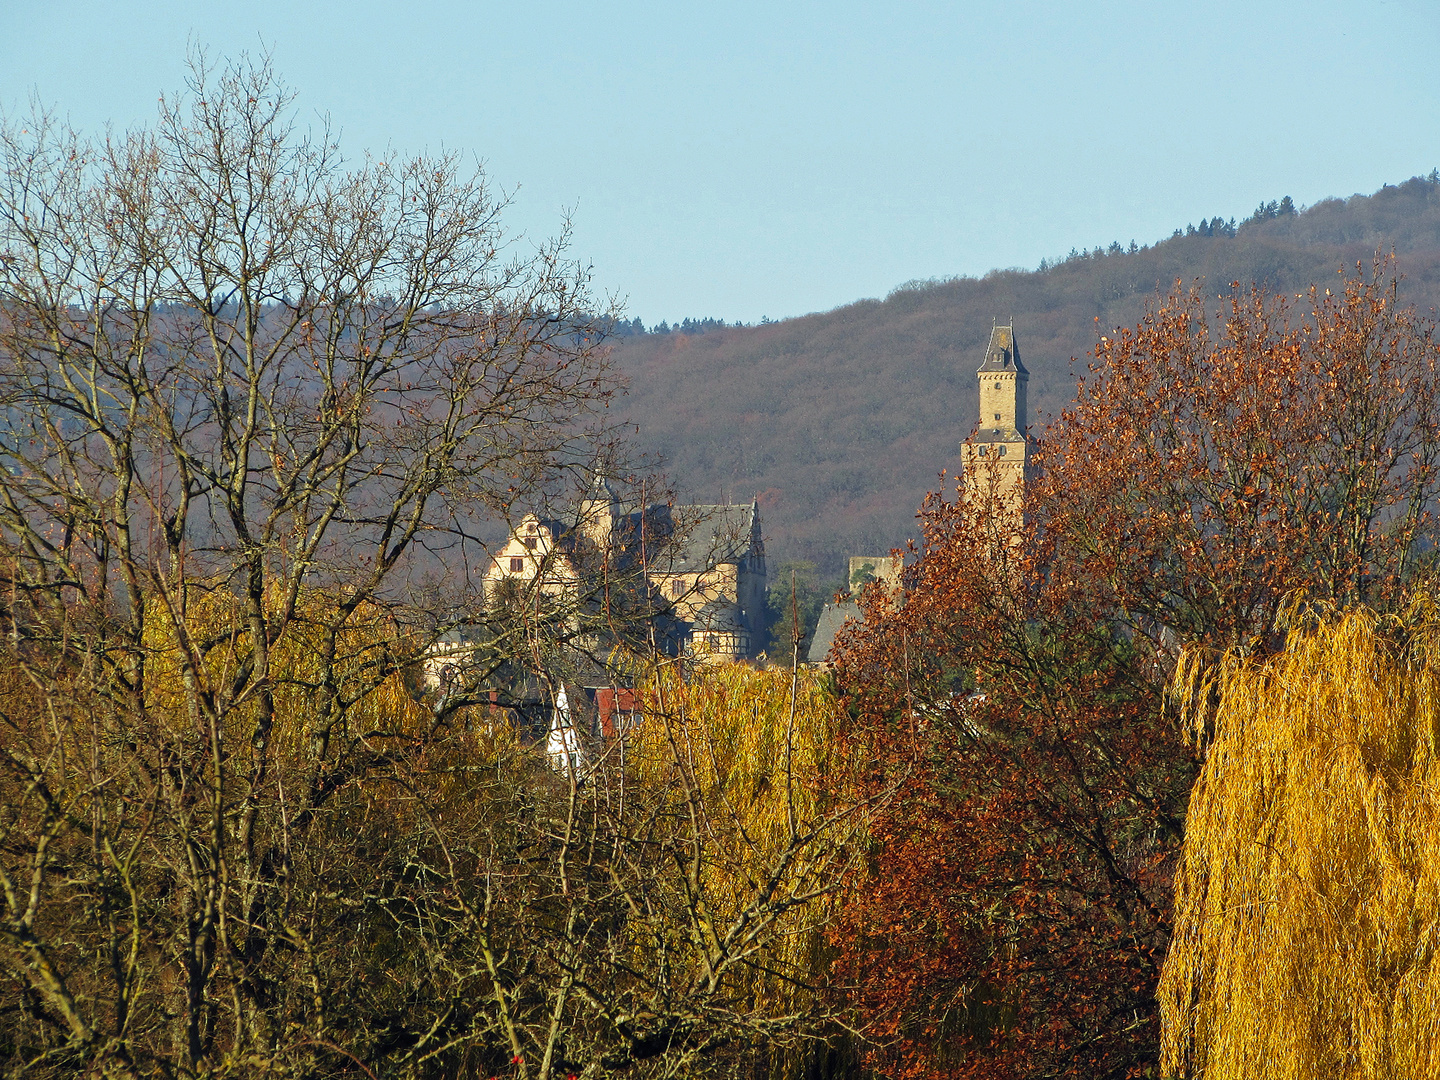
pixel 599 512
pixel 998 453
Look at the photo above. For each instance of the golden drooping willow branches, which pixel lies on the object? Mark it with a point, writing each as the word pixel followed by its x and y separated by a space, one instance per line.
pixel 1307 929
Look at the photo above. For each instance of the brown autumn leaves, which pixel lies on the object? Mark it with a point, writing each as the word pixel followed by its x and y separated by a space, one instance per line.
pixel 1216 464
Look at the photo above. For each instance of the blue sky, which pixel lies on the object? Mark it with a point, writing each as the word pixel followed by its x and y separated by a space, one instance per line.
pixel 747 159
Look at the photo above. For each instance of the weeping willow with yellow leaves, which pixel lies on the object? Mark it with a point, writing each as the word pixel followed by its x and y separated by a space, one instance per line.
pixel 1307 924
pixel 755 753
pixel 760 743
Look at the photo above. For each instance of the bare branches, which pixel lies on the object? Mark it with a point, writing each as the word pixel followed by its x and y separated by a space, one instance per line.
pixel 263 411
pixel 246 390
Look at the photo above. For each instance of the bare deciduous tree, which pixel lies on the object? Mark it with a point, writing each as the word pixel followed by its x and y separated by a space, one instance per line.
pixel 260 408
pixel 253 398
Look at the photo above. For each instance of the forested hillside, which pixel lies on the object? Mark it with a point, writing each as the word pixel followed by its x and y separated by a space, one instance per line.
pixel 841 421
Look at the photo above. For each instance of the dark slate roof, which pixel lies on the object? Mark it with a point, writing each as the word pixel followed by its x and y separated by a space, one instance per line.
pixel 461 634
pixel 709 535
pixel 716 535
pixel 992 434
pixel 832 618
pixel 1003 353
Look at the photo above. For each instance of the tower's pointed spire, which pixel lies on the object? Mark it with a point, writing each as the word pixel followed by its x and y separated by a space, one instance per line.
pixel 997 454
pixel 1003 352
pixel 600 509
pixel 601 489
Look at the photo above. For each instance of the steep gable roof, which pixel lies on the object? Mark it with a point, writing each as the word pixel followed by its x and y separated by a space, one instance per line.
pixel 832 619
pixel 1003 352
pixel 717 534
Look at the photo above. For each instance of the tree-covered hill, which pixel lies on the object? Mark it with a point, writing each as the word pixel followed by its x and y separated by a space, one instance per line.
pixel 841 421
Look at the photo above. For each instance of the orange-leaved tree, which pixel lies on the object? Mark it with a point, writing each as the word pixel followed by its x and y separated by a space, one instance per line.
pixel 1019 903
pixel 1214 461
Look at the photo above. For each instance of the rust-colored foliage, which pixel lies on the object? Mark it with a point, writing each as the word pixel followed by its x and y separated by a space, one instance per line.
pixel 1016 913
pixel 1212 463
pixel 1018 906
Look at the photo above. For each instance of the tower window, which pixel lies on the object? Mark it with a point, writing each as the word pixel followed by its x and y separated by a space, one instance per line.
pixel 517 564
pixel 997 416
pixel 1002 451
pixel 997 386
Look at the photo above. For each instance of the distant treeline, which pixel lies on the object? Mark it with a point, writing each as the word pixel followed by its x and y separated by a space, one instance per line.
pixel 1215 226
pixel 1219 225
pixel 635 328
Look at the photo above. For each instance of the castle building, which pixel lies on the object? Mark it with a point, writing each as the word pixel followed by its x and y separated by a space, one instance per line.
pixel 997 457
pixel 715 581
pixel 703 565
pixel 688 578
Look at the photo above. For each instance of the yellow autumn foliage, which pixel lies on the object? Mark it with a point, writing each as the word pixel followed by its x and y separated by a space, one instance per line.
pixel 363 673
pixel 759 749
pixel 1307 923
pixel 373 701
pixel 766 761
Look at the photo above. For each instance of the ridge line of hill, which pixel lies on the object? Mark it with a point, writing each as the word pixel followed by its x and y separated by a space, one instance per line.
pixel 840 421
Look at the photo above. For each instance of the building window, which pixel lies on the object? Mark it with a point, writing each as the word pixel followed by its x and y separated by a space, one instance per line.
pixel 997 416
pixel 677 588
pixel 530 542
pixel 517 564
pixel 1002 451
